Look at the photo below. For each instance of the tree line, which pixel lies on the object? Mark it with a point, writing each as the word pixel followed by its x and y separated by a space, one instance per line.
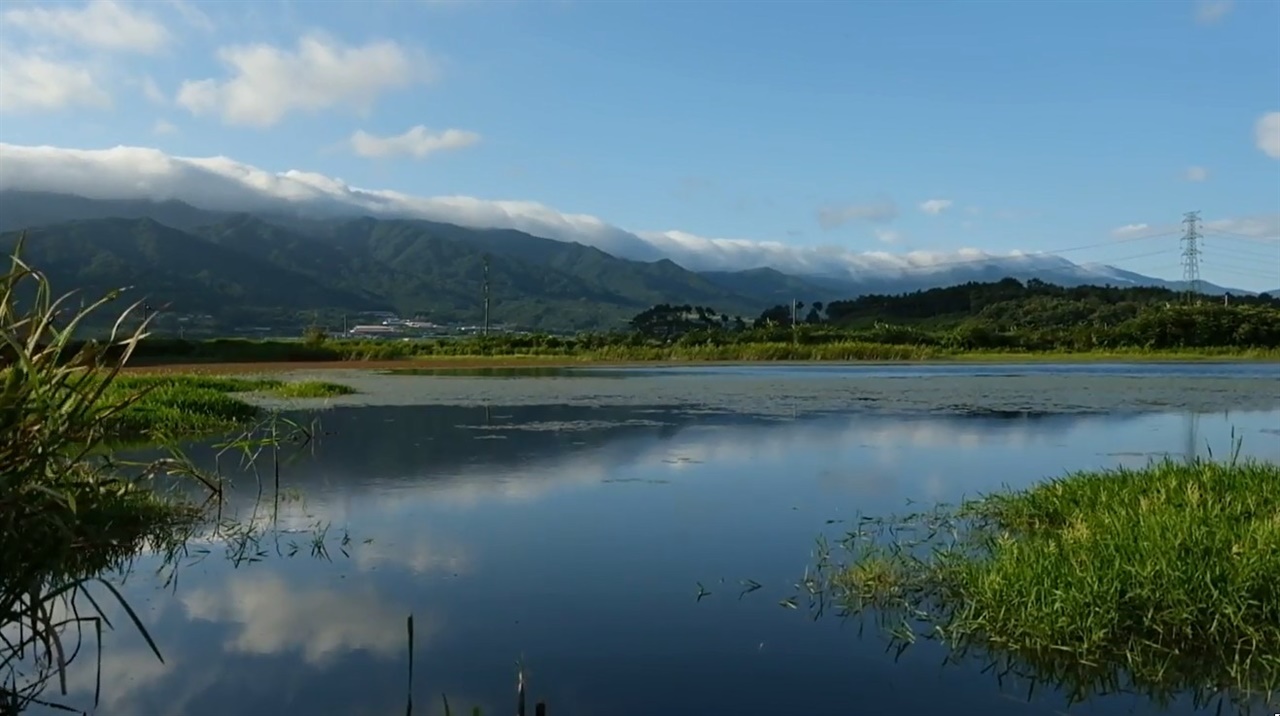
pixel 1006 314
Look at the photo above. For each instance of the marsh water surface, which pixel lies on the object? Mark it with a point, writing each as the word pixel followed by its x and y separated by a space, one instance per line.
pixel 574 521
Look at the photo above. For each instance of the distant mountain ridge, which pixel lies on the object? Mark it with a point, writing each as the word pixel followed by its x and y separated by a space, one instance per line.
pixel 244 266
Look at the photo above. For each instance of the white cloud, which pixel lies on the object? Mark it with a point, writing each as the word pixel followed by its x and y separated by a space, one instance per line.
pixel 1131 231
pixel 935 206
pixel 1266 226
pixel 32 83
pixel 152 91
pixel 836 215
pixel 99 24
pixel 1262 226
pixel 1211 11
pixel 193 16
pixel 164 126
pixel 1266 134
pixel 418 142
pixel 888 236
pixel 267 82
pixel 223 183
pixel 1196 174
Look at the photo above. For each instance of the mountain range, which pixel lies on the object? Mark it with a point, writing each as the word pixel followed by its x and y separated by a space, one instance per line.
pixel 272 267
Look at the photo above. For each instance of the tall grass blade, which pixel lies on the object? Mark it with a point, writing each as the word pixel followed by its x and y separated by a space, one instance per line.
pixel 137 623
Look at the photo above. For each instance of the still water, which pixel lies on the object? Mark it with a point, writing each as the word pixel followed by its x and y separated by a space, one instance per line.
pixel 577 539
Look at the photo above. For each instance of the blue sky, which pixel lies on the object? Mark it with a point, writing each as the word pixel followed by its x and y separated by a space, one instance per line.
pixel 1045 125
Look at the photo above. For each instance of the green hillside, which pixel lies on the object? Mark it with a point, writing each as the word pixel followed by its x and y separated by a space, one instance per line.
pixel 244 270
pixel 164 265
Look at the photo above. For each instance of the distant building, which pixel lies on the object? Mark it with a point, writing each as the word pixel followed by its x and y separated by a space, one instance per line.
pixel 374 330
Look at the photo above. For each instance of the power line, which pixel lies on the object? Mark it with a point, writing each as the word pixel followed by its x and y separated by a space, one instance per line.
pixel 1191 253
pixel 486 294
pixel 1246 237
pixel 1242 262
pixel 1250 254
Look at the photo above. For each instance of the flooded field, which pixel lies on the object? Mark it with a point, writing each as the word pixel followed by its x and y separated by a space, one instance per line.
pixel 631 536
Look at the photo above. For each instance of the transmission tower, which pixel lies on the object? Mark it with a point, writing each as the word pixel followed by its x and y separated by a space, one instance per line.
pixel 486 294
pixel 1191 254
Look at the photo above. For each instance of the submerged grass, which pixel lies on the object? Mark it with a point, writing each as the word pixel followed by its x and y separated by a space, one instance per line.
pixel 1165 578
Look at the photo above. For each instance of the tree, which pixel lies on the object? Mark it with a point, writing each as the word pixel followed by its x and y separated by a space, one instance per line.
pixel 815 313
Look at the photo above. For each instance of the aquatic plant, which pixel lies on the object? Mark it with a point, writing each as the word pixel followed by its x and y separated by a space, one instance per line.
pixel 65 512
pixel 70 510
pixel 1163 580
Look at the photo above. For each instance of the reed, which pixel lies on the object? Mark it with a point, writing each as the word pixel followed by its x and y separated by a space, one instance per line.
pixel 67 512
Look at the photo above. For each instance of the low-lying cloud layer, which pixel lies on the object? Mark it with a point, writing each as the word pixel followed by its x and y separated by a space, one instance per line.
pixel 221 183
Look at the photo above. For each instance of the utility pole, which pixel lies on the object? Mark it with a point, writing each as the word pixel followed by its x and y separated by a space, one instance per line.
pixel 486 294
pixel 1191 254
pixel 794 338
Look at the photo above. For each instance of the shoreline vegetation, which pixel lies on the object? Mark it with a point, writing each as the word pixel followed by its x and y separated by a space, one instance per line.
pixel 1163 579
pixel 1005 320
pixel 553 351
pixel 176 406
pixel 67 514
pixel 73 512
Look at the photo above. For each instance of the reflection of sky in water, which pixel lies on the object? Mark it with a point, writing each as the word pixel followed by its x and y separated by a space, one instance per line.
pixel 580 549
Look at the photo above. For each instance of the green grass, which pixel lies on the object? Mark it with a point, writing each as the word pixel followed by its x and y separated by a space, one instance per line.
pixel 879 352
pixel 184 405
pixel 834 347
pixel 1167 577
pixel 309 389
pixel 65 513
pixel 70 509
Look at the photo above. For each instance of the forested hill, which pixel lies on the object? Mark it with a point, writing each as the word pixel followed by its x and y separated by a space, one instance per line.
pixel 1002 315
pixel 1034 303
pixel 242 270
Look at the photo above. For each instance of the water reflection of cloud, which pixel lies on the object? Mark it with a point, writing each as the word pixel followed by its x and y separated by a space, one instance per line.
pixel 748 444
pixel 272 617
pixel 846 450
pixel 419 555
pixel 125 674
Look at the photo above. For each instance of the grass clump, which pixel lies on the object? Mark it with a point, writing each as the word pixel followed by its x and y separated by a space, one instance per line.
pixel 66 511
pixel 183 405
pixel 310 389
pixel 71 511
pixel 1166 578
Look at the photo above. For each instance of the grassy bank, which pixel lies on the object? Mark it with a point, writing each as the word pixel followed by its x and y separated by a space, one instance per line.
pixel 181 405
pixel 550 349
pixel 1167 577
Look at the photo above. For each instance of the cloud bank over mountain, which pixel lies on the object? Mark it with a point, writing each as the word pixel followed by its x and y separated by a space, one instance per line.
pixel 222 183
